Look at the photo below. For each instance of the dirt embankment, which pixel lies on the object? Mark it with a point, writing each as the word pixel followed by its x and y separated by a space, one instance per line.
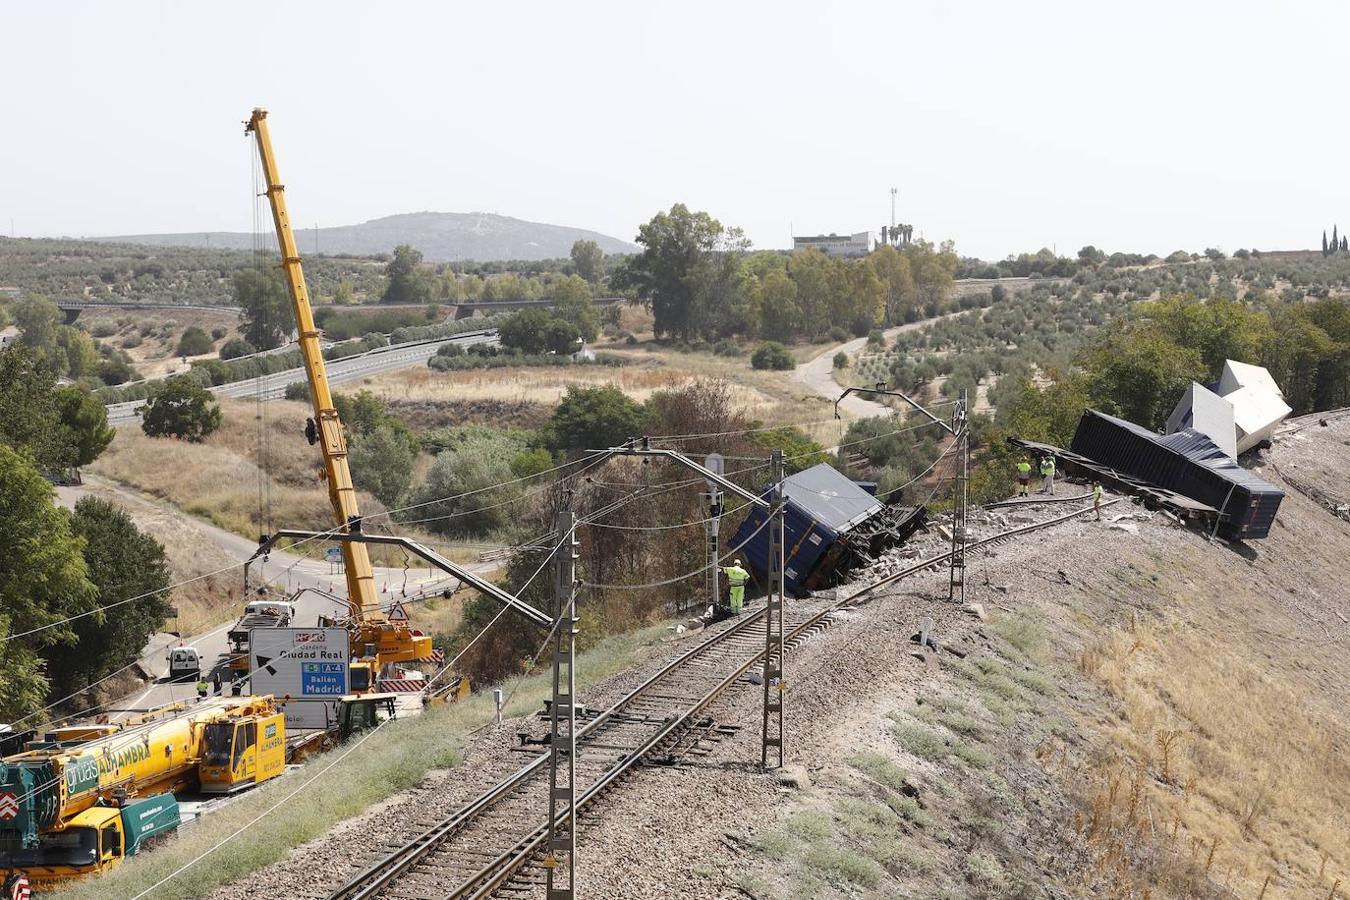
pixel 1145 713
pixel 1141 713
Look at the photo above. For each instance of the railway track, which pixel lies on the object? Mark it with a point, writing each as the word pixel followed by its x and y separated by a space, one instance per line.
pixel 492 845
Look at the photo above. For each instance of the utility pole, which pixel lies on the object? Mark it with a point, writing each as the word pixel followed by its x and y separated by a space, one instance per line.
pixel 893 193
pixel 774 685
pixel 960 495
pixel 562 761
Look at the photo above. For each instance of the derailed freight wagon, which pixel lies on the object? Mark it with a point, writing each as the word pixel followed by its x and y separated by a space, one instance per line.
pixel 1188 463
pixel 831 526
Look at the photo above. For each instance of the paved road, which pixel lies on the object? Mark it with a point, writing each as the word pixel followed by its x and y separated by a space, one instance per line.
pixel 285 570
pixel 340 371
pixel 818 374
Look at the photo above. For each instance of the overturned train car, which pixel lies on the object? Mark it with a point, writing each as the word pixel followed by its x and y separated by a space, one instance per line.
pixel 831 526
pixel 1187 463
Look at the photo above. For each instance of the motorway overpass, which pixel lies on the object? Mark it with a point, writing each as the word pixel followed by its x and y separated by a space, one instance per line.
pixel 340 371
pixel 459 310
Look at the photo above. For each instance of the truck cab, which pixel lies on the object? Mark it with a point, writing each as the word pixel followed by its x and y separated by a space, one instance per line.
pixel 257 614
pixel 241 753
pixel 93 841
pixel 185 664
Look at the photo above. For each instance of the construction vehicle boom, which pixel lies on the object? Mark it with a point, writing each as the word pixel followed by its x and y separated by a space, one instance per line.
pixel 370 628
pixel 82 798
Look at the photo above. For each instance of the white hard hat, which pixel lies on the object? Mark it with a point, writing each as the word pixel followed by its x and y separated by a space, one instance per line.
pixel 736 562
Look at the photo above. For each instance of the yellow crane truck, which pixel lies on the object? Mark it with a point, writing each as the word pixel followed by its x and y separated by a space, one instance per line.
pixel 375 640
pixel 82 798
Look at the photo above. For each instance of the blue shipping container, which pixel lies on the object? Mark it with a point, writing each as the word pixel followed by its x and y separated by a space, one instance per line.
pixel 822 505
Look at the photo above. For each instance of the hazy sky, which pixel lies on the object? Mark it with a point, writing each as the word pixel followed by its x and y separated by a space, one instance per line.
pixel 1006 126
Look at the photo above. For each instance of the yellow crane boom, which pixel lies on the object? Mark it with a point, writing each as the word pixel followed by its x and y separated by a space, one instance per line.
pixel 362 598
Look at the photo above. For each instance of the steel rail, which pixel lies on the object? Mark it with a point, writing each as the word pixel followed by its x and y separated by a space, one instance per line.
pixel 371 880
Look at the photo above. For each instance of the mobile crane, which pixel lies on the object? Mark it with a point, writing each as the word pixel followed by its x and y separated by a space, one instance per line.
pixel 82 798
pixel 375 640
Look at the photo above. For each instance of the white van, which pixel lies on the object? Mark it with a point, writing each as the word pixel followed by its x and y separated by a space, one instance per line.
pixel 184 663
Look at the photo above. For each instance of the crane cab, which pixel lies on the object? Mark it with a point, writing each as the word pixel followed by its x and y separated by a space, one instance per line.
pixel 240 753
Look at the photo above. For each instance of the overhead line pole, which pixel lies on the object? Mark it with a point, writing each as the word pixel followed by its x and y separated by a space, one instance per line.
pixel 562 763
pixel 956 589
pixel 959 429
pixel 774 683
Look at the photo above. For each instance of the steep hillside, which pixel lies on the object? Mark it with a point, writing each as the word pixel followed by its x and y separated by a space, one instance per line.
pixel 442 237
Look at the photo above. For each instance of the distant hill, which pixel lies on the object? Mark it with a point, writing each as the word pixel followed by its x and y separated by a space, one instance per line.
pixel 442 237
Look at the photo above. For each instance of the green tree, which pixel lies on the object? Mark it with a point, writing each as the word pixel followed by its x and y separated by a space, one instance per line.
pixel 194 342
pixel 38 320
pixel 774 298
pixel 588 260
pixel 934 270
pixel 811 272
pixel 29 418
pixel 361 412
pixel 674 244
pixel 408 282
pixel 572 302
pixel 265 307
pixel 526 331
pixel 892 268
pixel 181 408
pixel 594 418
pixel 472 476
pixel 76 355
pixel 43 580
pixel 1218 329
pixel 123 563
pixel 382 463
pixel 772 355
pixel 1139 375
pixel 84 420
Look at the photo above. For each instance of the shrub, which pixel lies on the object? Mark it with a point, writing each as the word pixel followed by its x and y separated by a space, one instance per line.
pixel 841 360
pixel 130 341
pixel 103 329
pixel 726 347
pixel 237 348
pixel 297 390
pixel 772 355
pixel 194 342
pixel 838 334
pixel 219 332
pixel 875 337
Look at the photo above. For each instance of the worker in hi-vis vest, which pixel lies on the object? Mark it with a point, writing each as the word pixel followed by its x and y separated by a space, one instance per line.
pixel 737 578
pixel 1023 477
pixel 1048 474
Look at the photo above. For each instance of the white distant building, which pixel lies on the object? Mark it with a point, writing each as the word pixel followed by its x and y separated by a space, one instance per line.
pixel 1245 411
pixel 859 244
